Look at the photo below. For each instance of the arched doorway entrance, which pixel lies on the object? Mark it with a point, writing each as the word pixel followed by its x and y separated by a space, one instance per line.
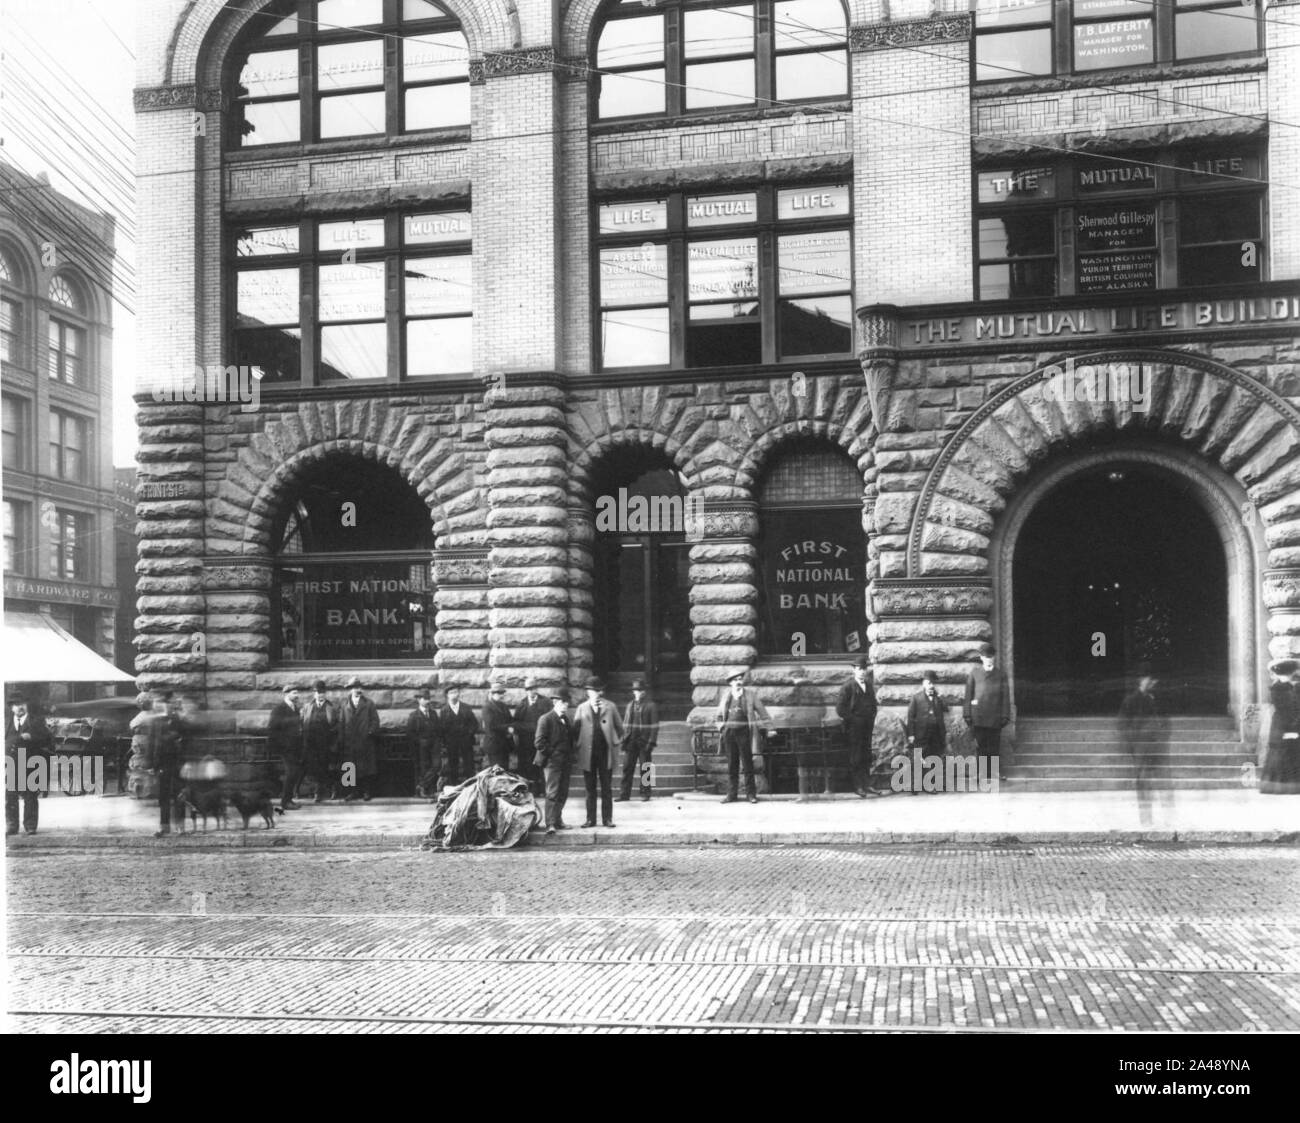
pixel 642 573
pixel 1117 564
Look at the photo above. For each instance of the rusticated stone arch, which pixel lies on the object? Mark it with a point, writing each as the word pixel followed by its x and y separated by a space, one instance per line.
pixel 1207 408
pixel 207 28
pixel 856 443
pixel 586 458
pixel 266 468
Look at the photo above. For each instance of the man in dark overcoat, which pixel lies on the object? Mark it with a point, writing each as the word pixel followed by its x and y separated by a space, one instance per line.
pixel 856 707
pixel 359 742
pixel 459 726
pixel 284 740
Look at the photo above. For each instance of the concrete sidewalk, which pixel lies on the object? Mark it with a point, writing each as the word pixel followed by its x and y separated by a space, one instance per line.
pixel 691 819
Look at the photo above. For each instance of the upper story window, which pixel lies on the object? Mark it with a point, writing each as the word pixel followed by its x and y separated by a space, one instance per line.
pixel 682 55
pixel 330 69
pixel 17 432
pixel 17 535
pixel 69 446
pixel 65 295
pixel 69 535
pixel 1020 38
pixel 1093 225
pixel 11 330
pixel 741 278
pixel 375 297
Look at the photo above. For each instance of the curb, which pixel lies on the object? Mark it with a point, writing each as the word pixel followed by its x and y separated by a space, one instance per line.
pixel 319 840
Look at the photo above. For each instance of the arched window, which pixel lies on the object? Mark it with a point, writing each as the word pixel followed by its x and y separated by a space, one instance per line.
pixel 677 56
pixel 11 312
pixel 352 578
pixel 812 553
pixel 66 358
pixel 327 69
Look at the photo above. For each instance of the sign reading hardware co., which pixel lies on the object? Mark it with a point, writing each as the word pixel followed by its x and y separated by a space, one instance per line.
pixel 21 588
pixel 1091 324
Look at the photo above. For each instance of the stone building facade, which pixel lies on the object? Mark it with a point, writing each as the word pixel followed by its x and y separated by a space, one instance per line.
pixel 572 261
pixel 56 289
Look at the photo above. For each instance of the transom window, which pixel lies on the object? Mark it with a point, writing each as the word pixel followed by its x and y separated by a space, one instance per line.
pixel 327 69
pixel 757 276
pixel 6 270
pixel 1022 38
pixel 680 55
pixel 375 297
pixel 1091 225
pixel 65 295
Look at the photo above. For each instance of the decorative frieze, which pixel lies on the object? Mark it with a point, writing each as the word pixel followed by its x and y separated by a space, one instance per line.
pixel 460 567
pixel 905 33
pixel 893 597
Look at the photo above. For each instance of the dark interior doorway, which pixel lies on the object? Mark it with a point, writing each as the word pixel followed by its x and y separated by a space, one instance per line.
pixel 1114 568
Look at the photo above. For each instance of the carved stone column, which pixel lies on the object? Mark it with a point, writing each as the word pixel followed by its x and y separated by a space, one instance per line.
pixel 581 616
pixel 724 595
pixel 460 598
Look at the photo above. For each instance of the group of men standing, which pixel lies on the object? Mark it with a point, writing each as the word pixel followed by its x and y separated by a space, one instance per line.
pixel 334 746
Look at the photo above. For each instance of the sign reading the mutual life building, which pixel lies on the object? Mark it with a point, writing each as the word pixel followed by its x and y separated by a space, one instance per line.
pixel 1100 324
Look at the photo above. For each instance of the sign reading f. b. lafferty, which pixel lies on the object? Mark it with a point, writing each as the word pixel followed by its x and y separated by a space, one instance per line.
pixel 1097 323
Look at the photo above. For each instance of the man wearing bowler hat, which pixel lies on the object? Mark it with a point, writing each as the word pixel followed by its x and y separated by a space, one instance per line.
pixel 598 732
pixel 284 740
pixel 640 736
pixel 320 739
pixel 988 703
pixel 359 738
pixel 459 726
pixel 856 707
pixel 742 717
pixel 528 713
pixel 422 738
pixel 26 738
pixel 553 753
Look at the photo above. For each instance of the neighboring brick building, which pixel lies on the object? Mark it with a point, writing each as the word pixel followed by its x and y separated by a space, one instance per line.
pixel 56 287
pixel 828 272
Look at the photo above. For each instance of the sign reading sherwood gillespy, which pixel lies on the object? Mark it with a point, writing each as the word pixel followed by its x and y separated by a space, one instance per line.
pixel 1095 324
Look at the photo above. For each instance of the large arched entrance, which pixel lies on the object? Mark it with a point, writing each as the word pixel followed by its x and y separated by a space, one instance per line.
pixel 1116 566
pixel 642 573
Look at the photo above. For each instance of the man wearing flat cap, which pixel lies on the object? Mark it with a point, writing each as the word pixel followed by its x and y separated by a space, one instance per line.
pixel 987 709
pixel 598 733
pixel 741 717
pixel 528 713
pixel 359 738
pixel 640 736
pixel 856 707
pixel 422 738
pixel 498 724
pixel 1281 772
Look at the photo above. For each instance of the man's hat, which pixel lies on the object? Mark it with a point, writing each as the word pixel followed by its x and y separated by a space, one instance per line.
pixel 863 664
pixel 738 675
pixel 1284 666
pixel 288 688
pixel 497 686
pixel 421 695
pixel 449 687
pixel 562 694
pixel 354 683
pixel 637 684
pixel 987 651
pixel 530 683
pixel 319 686
pixel 929 675
pixel 16 698
pixel 595 683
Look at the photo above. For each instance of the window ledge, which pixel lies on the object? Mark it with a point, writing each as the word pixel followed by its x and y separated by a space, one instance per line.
pixel 698 118
pixel 1158 72
pixel 301 150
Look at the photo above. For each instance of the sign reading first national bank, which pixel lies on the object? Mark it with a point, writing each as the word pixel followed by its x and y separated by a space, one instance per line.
pixel 1098 323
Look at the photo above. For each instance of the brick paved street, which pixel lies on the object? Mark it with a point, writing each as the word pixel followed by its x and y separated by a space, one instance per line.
pixel 933 938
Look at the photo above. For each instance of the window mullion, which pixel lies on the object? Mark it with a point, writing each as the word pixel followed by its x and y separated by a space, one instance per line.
pixel 1163 14
pixel 678 309
pixel 674 63
pixel 307 301
pixel 394 309
pixel 764 54
pixel 1167 243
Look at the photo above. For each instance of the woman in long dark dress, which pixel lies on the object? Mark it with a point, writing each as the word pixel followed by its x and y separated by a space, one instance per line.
pixel 1281 774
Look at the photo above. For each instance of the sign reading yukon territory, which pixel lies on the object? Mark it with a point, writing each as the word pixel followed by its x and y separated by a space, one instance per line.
pixel 1117 272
